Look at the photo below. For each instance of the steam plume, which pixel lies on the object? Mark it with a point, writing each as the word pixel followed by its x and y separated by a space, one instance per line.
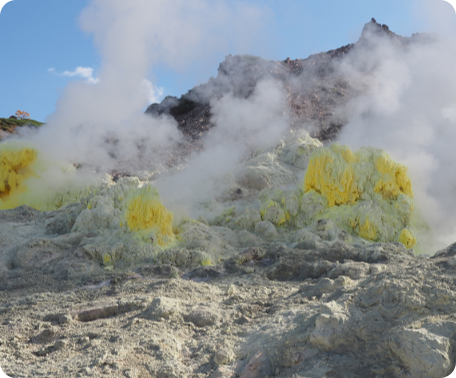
pixel 408 107
pixel 133 37
pixel 409 110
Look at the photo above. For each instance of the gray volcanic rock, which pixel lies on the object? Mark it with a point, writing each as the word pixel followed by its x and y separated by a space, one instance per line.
pixel 314 88
pixel 334 310
pixel 308 308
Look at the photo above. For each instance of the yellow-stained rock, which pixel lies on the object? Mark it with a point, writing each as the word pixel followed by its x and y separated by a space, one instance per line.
pixel 331 175
pixel 27 178
pixel 342 176
pixel 145 212
pixel 407 238
pixel 367 192
pixel 16 166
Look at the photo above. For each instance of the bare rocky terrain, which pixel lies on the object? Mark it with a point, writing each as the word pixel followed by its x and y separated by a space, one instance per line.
pixel 238 295
pixel 320 309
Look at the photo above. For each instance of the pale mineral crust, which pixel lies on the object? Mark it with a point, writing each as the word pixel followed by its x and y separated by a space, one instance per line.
pixel 321 309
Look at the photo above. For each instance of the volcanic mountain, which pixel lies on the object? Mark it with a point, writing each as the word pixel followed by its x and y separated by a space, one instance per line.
pixel 296 261
pixel 316 91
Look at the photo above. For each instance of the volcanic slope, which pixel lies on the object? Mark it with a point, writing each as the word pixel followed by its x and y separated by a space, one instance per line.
pixel 248 292
pixel 315 89
pixel 262 284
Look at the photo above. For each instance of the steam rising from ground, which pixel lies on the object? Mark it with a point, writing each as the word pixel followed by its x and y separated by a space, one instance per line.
pixel 258 121
pixel 410 111
pixel 132 37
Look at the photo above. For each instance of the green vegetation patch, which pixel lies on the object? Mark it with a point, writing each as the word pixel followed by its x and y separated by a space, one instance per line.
pixel 10 124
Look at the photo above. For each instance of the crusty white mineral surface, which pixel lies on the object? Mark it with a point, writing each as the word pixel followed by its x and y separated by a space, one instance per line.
pixel 253 291
pixel 320 309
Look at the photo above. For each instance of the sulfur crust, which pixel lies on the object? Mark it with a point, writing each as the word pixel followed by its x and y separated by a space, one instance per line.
pixel 331 173
pixel 272 211
pixel 366 191
pixel 145 212
pixel 19 166
pixel 394 179
pixel 23 168
pixel 366 230
pixel 342 176
pixel 206 262
pixel 16 166
pixel 407 238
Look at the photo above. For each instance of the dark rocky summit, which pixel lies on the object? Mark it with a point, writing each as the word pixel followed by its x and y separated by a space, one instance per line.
pixel 315 89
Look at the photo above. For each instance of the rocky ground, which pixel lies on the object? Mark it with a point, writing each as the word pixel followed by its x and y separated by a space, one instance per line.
pixel 238 296
pixel 319 309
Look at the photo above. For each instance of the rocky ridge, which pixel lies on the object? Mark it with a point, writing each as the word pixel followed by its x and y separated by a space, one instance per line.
pixel 314 88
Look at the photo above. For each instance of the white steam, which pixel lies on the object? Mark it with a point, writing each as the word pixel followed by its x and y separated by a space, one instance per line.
pixel 409 110
pixel 436 15
pixel 258 121
pixel 100 123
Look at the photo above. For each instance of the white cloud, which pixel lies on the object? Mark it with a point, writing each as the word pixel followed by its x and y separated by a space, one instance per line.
pixel 153 93
pixel 436 16
pixel 84 72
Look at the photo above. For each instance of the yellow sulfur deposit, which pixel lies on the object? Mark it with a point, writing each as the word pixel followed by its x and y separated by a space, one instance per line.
pixel 407 238
pixel 342 176
pixel 145 212
pixel 331 173
pixel 366 192
pixel 27 179
pixel 272 212
pixel 206 262
pixel 16 166
pixel 366 230
pixel 393 180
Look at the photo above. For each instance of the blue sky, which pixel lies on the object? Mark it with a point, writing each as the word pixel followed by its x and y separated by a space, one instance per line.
pixel 42 43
